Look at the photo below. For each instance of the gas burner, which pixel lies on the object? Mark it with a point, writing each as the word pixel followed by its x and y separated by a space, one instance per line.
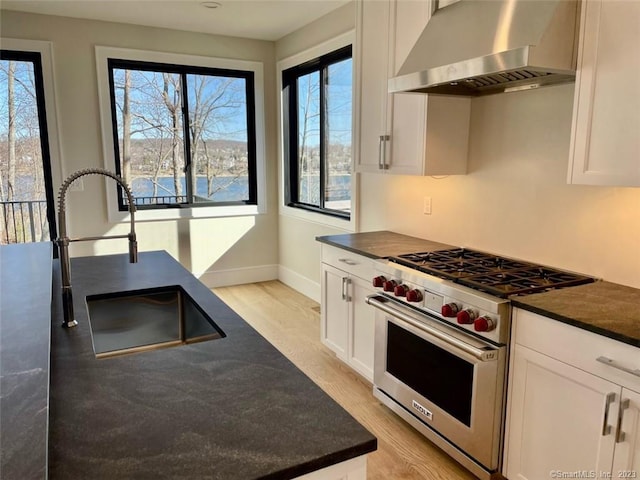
pixel 499 276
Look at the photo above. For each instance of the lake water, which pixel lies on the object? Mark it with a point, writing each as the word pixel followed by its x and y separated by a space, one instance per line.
pixel 226 189
pixel 230 189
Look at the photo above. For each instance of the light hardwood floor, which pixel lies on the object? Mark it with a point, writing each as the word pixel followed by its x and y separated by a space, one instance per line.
pixel 291 322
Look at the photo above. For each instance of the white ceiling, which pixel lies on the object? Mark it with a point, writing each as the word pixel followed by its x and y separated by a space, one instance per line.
pixel 258 19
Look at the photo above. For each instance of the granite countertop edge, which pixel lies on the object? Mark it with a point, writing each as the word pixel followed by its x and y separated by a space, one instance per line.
pixel 601 307
pixel 578 324
pixel 24 352
pixel 381 244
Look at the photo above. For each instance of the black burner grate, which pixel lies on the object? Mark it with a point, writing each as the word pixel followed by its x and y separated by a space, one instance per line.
pixel 499 276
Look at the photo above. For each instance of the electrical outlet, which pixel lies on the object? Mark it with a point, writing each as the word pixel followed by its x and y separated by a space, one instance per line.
pixel 426 209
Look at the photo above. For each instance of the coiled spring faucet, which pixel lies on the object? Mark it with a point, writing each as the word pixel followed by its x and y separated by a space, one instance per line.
pixel 63 240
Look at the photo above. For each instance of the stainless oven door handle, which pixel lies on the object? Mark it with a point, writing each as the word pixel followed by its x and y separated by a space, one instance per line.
pixel 478 353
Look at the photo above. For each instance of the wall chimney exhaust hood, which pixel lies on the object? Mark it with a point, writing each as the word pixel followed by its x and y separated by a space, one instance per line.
pixel 481 47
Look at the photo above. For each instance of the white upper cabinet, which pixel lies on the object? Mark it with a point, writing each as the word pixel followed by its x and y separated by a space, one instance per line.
pixel 605 137
pixel 403 133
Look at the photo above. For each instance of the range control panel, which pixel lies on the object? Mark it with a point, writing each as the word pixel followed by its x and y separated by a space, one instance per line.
pixel 468 310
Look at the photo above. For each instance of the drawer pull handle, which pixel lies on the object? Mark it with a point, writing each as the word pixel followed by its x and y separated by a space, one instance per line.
pixel 345 289
pixel 347 261
pixel 606 428
pixel 624 405
pixel 612 363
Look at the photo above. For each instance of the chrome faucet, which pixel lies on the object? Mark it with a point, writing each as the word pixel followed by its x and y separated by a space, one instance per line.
pixel 63 240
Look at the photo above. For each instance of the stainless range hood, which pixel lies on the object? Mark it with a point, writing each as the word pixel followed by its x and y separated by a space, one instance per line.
pixel 481 47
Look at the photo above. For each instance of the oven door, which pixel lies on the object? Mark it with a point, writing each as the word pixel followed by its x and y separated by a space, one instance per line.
pixel 449 380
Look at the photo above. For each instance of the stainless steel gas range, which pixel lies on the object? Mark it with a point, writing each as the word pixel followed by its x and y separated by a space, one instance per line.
pixel 441 344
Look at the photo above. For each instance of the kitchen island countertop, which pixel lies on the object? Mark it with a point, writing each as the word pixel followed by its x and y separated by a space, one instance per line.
pixel 230 408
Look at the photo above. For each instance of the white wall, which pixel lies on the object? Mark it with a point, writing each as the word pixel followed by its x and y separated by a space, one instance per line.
pixel 299 253
pixel 224 250
pixel 515 200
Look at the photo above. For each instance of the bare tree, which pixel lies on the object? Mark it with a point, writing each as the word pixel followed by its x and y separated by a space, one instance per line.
pixel 22 190
pixel 173 103
pixel 11 133
pixel 126 128
pixel 308 127
pixel 213 101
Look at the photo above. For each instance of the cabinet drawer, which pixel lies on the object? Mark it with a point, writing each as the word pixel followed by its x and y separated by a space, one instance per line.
pixel 578 347
pixel 347 261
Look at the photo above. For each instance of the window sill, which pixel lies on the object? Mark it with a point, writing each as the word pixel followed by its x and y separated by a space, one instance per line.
pixel 164 214
pixel 319 218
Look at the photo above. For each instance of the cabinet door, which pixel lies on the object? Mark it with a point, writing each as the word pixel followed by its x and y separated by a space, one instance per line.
pixel 362 327
pixel 561 419
pixel 334 310
pixel 605 139
pixel 407 114
pixel 372 58
pixel 627 455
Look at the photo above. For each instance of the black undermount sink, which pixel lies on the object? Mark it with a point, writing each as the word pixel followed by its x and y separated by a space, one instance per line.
pixel 141 320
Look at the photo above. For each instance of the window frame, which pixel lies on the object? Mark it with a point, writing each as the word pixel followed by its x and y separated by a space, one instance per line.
pixel 47 118
pixel 290 79
pixel 315 215
pixel 183 71
pixel 193 63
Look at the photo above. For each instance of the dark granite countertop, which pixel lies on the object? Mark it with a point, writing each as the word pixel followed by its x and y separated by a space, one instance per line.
pixel 605 308
pixel 25 307
pixel 231 408
pixel 381 244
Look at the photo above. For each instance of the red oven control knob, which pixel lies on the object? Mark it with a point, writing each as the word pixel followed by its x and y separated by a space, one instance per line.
pixel 378 281
pixel 484 324
pixel 466 316
pixel 414 295
pixel 400 290
pixel 450 309
pixel 389 285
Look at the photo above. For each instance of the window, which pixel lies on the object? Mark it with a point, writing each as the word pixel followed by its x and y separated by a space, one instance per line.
pixel 26 194
pixel 184 135
pixel 317 127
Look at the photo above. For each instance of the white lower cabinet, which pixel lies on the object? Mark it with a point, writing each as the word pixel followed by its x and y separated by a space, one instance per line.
pixel 626 461
pixel 347 321
pixel 557 416
pixel 567 411
pixel 334 310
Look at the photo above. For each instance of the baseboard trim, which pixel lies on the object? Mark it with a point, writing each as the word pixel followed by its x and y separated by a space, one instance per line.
pixel 238 276
pixel 300 283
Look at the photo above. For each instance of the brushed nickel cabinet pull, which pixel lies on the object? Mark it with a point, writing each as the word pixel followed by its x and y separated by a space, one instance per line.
pixel 620 436
pixel 382 152
pixel 612 363
pixel 347 261
pixel 346 281
pixel 606 428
